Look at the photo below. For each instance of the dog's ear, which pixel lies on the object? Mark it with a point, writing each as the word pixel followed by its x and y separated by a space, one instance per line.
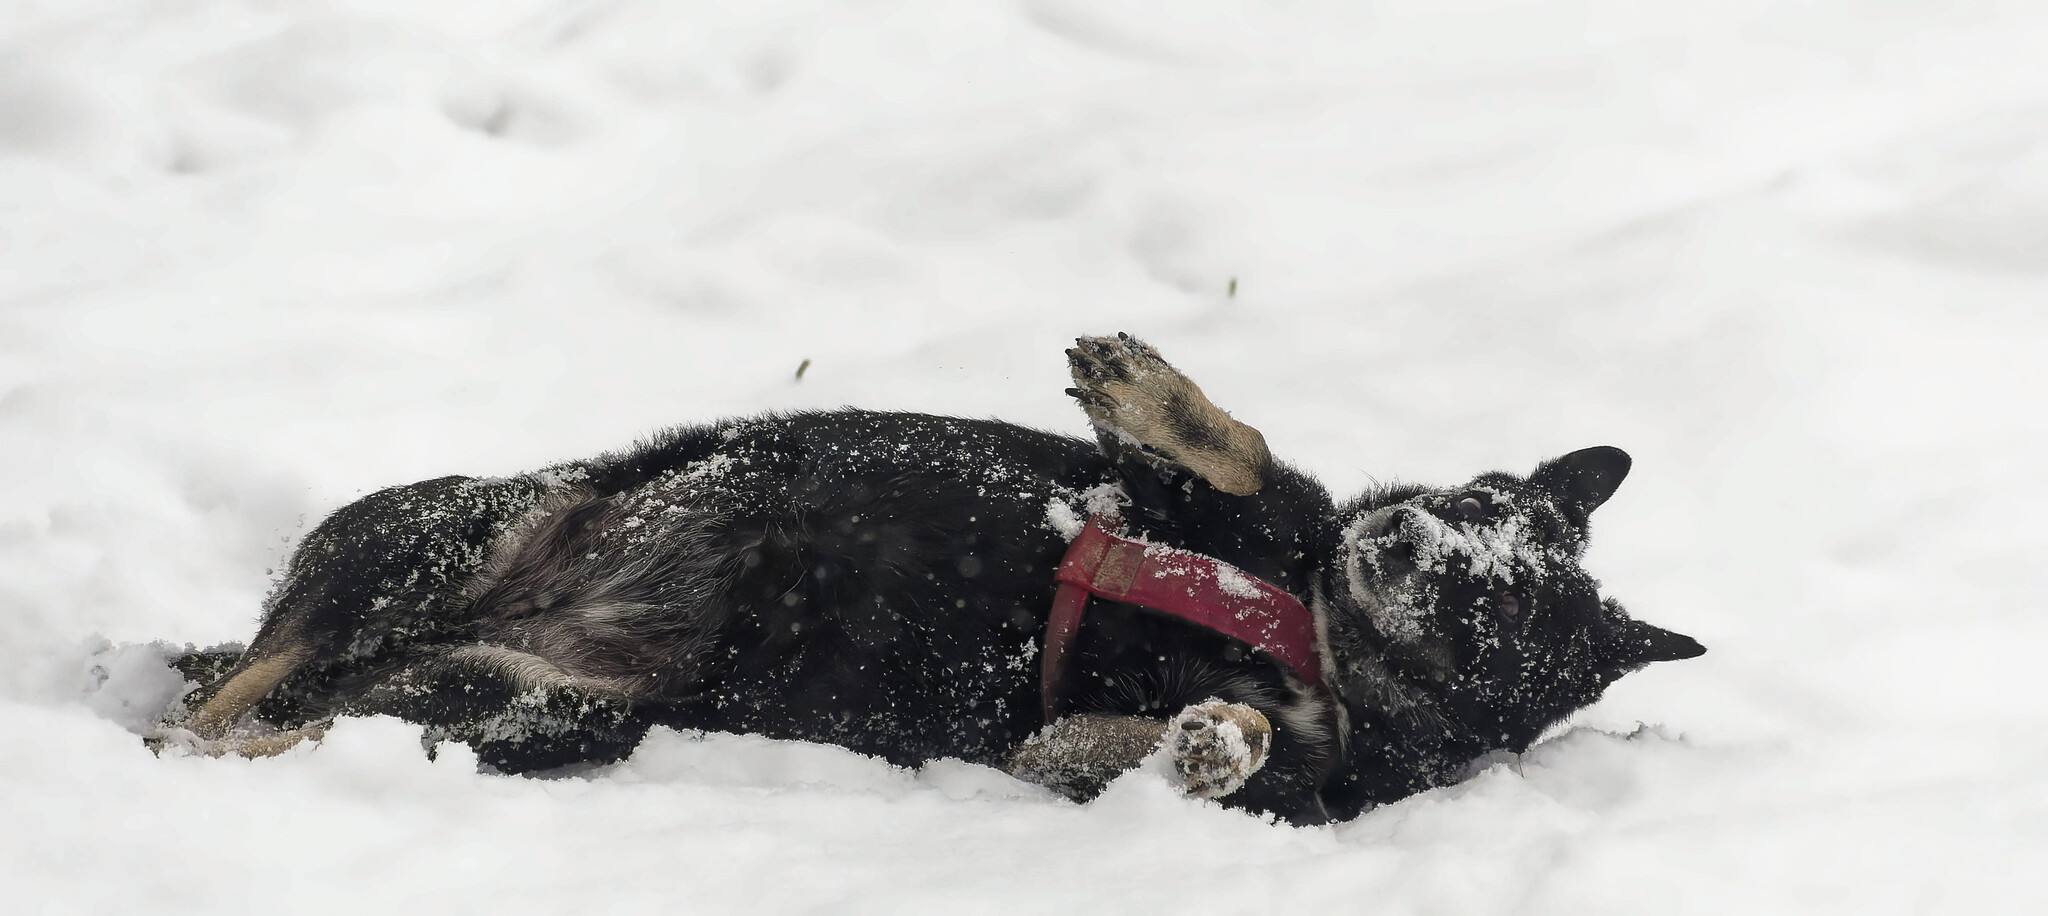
pixel 1636 644
pixel 1586 478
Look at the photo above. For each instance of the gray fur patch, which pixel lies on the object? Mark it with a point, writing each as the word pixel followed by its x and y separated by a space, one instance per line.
pixel 614 591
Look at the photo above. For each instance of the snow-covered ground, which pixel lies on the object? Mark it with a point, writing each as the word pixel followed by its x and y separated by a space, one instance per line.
pixel 258 258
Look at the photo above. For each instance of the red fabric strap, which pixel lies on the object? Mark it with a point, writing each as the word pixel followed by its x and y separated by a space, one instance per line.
pixel 1201 590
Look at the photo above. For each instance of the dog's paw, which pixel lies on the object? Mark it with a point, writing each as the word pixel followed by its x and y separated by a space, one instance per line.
pixel 251 744
pixel 1137 399
pixel 1216 746
pixel 1119 377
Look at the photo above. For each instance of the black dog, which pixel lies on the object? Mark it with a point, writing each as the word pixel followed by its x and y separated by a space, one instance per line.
pixel 883 582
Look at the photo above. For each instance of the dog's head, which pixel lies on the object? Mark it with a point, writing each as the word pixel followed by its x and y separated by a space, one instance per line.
pixel 1468 605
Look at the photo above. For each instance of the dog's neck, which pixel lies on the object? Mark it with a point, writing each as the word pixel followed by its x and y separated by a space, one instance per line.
pixel 1362 678
pixel 1399 733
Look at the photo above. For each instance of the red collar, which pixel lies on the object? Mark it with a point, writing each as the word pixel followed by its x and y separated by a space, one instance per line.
pixel 1202 590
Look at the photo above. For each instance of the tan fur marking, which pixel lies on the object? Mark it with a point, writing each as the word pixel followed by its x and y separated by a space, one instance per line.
pixel 255 746
pixel 1144 398
pixel 244 690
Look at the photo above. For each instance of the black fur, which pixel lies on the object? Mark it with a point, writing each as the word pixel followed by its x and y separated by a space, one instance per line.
pixel 881 581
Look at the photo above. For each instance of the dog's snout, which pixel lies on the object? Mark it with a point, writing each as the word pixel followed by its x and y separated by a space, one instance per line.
pixel 1385 522
pixel 1392 523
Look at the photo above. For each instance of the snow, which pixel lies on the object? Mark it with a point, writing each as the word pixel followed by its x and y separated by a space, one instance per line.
pixel 258 259
pixel 1234 582
pixel 1061 517
pixel 1490 551
pixel 1068 512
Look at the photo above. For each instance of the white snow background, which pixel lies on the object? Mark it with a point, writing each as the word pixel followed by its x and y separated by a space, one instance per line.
pixel 259 258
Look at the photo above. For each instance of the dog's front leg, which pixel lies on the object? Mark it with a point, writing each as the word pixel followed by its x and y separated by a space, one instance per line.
pixel 1146 411
pixel 1078 755
pixel 1213 746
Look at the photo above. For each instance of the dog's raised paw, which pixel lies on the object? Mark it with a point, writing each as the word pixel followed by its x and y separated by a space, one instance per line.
pixel 1216 746
pixel 1100 364
pixel 1124 387
pixel 1135 397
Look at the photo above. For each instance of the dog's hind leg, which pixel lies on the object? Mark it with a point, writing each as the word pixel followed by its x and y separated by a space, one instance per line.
pixel 241 690
pixel 226 700
pixel 1144 410
pixel 380 574
pixel 518 711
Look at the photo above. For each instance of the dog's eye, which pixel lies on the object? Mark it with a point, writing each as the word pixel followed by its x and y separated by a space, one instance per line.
pixel 1471 508
pixel 1508 606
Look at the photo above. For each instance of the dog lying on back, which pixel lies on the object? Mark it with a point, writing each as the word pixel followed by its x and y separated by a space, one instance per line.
pixel 883 581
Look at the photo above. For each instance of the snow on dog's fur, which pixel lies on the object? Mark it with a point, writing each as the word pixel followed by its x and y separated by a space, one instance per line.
pixel 882 581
